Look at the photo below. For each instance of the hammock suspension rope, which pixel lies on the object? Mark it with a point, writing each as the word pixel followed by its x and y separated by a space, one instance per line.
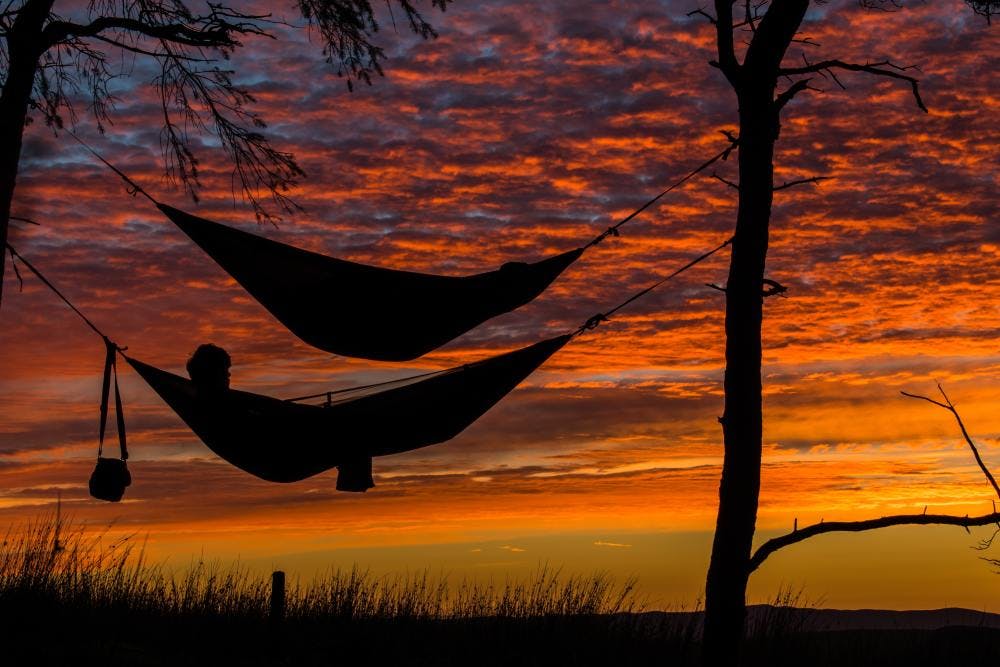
pixel 591 323
pixel 241 427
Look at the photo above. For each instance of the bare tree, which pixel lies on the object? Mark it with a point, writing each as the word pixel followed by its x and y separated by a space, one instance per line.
pixel 771 27
pixel 986 8
pixel 47 61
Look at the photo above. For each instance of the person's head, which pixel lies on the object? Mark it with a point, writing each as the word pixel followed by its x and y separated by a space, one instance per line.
pixel 209 368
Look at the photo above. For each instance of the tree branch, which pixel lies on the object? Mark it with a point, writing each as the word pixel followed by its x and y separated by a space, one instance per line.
pixel 882 68
pixel 774 289
pixel 138 50
pixel 786 96
pixel 796 536
pixel 986 9
pixel 801 181
pixel 726 181
pixel 950 407
pixel 774 33
pixel 216 34
pixel 724 41
pixel 702 12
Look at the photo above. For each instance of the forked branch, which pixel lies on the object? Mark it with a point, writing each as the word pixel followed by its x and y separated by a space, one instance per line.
pixel 724 41
pixel 950 407
pixel 882 68
pixel 789 93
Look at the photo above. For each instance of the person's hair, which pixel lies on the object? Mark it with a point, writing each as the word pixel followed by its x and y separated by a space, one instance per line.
pixel 206 361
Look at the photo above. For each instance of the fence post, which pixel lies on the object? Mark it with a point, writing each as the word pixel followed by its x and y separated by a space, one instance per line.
pixel 277 596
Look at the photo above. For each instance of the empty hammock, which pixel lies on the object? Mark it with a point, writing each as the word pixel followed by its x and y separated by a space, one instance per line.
pixel 357 310
pixel 284 441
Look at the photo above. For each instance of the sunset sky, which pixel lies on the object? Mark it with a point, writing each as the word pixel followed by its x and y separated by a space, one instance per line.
pixel 523 130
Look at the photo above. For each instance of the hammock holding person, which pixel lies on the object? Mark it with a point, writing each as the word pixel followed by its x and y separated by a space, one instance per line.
pixel 287 440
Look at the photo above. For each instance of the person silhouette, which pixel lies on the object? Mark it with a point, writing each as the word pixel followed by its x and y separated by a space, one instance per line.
pixel 208 368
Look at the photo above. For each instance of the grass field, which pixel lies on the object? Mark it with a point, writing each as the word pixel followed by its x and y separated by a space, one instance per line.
pixel 67 597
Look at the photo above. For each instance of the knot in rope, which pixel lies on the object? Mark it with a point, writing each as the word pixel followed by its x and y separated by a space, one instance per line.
pixel 610 231
pixel 594 322
pixel 131 187
pixel 113 346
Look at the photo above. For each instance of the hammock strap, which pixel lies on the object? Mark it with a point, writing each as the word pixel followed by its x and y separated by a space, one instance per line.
pixel 110 362
pixel 110 367
pixel 132 187
pixel 613 230
pixel 596 320
pixel 111 370
pixel 31 267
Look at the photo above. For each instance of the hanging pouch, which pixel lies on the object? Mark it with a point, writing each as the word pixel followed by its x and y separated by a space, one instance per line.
pixel 109 479
pixel 111 476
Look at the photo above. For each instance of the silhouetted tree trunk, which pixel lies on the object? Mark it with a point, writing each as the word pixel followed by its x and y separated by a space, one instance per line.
pixel 772 27
pixel 742 420
pixel 23 42
pixel 754 82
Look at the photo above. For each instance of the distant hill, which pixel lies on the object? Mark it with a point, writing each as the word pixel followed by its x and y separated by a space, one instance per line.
pixel 819 620
pixel 887 619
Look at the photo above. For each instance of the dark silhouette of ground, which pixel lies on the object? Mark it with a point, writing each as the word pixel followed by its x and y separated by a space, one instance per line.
pixel 38 632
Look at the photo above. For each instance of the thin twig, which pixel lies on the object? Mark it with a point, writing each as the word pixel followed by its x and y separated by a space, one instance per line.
pixel 799 535
pixel 726 181
pixel 801 181
pixel 702 12
pixel 950 407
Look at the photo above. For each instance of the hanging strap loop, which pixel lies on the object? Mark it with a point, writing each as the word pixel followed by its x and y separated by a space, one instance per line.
pixel 109 359
pixel 120 414
pixel 110 362
pixel 111 373
pixel 610 231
